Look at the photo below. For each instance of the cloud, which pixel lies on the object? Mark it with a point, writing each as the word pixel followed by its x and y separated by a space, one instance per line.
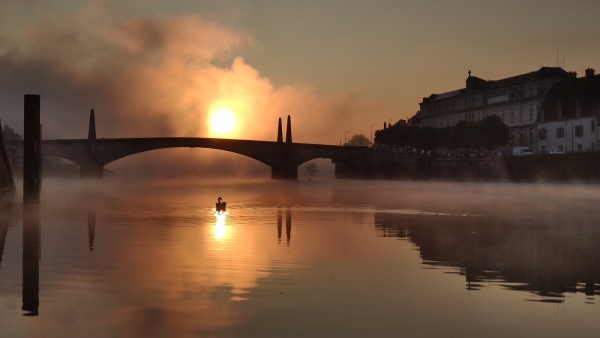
pixel 157 76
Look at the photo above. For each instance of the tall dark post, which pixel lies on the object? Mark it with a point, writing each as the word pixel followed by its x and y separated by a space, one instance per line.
pixel 31 258
pixel 279 132
pixel 288 132
pixel 32 150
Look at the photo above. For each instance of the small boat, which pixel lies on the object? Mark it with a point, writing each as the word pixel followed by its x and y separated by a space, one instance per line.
pixel 221 206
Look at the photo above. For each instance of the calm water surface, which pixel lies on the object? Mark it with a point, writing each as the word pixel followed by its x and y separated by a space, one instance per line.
pixel 302 259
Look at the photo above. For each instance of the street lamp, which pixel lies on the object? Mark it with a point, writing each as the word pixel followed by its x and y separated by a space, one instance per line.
pixel 372 132
pixel 345 138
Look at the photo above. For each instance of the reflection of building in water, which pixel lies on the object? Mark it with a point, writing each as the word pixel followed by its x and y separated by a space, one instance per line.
pixel 548 257
pixel 288 225
pixel 31 258
pixel 91 228
pixel 390 225
pixel 5 207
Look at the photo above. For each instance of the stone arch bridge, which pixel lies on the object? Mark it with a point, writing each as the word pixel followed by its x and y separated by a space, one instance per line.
pixel 93 154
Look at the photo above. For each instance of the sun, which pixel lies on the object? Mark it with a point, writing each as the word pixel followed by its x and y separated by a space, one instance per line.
pixel 222 121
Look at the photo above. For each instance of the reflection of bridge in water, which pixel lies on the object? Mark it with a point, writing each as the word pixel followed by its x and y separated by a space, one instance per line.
pixel 288 225
pixel 92 154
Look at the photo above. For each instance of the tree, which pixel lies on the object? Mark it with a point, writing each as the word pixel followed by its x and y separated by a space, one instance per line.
pixel 429 138
pixel 311 169
pixel 443 137
pixel 10 134
pixel 457 136
pixel 358 140
pixel 493 132
pixel 472 135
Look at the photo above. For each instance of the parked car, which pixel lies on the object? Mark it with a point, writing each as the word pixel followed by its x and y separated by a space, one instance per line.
pixel 556 151
pixel 519 151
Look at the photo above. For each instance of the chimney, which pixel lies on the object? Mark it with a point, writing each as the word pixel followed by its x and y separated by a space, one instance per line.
pixel 589 72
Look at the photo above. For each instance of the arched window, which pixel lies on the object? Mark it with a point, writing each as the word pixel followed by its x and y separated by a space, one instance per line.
pixel 560 132
pixel 592 147
pixel 579 131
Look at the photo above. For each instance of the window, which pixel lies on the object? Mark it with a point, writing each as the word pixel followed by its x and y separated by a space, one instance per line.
pixel 512 115
pixel 579 147
pixel 521 138
pixel 530 112
pixel 543 149
pixel 578 131
pixel 560 132
pixel 560 147
pixel 530 136
pixel 542 133
pixel 592 147
pixel 520 113
pixel 593 125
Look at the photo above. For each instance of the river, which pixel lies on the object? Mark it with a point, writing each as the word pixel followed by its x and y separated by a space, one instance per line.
pixel 321 258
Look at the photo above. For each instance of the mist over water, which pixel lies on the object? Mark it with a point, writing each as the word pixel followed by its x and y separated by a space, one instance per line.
pixel 123 257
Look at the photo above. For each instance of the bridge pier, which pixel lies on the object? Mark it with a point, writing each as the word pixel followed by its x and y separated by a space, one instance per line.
pixel 284 173
pixel 91 170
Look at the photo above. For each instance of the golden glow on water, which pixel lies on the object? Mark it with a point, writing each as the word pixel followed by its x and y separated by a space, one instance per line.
pixel 220 228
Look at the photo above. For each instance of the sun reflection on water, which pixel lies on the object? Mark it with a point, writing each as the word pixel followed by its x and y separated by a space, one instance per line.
pixel 220 229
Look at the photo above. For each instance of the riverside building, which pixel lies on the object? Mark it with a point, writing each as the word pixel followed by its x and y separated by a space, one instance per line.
pixel 517 100
pixel 569 119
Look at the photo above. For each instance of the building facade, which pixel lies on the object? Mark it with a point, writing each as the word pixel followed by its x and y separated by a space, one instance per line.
pixel 517 100
pixel 569 118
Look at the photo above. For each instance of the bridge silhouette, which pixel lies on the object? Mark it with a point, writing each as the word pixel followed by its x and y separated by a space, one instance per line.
pixel 92 154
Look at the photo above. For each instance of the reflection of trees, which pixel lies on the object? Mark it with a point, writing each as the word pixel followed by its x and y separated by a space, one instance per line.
pixel 548 257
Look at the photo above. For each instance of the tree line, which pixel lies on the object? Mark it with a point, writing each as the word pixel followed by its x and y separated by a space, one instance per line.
pixel 488 133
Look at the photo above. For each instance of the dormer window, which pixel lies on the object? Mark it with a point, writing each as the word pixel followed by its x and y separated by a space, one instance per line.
pixel 559 111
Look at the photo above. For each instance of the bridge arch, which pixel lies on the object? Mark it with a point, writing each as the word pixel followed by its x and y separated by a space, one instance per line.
pixel 283 158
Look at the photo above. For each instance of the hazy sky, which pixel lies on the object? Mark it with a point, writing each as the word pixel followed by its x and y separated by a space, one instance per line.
pixel 158 68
